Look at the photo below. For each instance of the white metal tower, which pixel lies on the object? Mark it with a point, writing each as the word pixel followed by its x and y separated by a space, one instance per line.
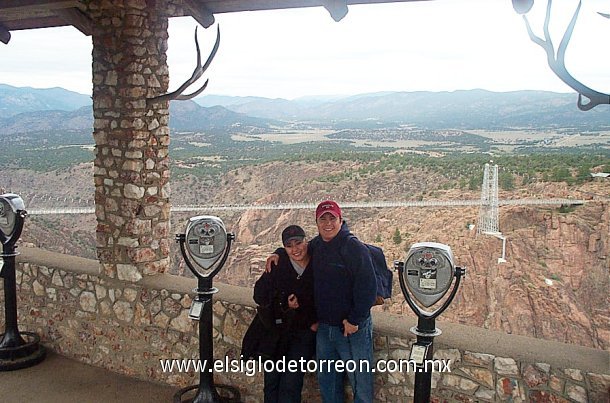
pixel 488 210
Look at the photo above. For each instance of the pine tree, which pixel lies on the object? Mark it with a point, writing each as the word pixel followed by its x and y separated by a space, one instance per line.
pixel 397 238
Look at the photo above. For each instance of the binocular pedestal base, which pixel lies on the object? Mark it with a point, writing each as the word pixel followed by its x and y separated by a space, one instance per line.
pixel 28 354
pixel 228 394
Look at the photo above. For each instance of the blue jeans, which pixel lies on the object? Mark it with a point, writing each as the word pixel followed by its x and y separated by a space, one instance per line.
pixel 332 345
pixel 286 386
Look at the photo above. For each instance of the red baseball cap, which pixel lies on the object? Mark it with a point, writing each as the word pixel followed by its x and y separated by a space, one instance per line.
pixel 328 206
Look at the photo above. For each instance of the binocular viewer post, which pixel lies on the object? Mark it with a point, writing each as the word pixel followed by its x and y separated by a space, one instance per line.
pixel 205 247
pixel 426 276
pixel 17 349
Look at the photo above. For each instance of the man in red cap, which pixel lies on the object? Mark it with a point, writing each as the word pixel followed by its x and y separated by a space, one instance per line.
pixel 328 219
pixel 344 292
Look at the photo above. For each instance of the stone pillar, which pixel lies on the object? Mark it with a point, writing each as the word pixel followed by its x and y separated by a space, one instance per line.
pixel 131 137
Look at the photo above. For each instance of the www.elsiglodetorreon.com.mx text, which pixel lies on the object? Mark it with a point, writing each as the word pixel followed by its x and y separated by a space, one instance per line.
pixel 251 367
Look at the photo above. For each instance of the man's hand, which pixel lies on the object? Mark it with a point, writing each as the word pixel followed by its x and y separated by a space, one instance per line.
pixel 314 327
pixel 271 261
pixel 348 328
pixel 293 302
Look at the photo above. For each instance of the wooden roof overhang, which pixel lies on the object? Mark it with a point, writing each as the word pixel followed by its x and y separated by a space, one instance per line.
pixel 30 14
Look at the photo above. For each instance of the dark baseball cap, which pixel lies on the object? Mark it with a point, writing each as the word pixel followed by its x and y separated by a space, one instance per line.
pixel 328 206
pixel 292 232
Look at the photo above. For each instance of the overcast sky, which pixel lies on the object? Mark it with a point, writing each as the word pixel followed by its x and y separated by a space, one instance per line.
pixel 441 45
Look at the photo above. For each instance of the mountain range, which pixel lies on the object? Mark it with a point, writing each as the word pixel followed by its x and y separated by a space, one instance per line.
pixel 467 109
pixel 27 109
pixel 16 100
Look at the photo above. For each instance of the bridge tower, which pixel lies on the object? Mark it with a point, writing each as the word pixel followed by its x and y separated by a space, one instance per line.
pixel 488 210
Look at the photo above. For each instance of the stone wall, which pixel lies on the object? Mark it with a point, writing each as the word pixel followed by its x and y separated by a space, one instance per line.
pixel 128 327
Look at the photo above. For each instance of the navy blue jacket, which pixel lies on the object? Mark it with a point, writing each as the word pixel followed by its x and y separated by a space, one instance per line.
pixel 344 279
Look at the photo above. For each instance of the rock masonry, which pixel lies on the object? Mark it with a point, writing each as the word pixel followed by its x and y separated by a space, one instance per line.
pixel 131 132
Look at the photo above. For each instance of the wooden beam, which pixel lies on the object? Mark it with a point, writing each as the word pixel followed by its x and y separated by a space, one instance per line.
pixel 30 14
pixel 6 4
pixel 5 34
pixel 200 13
pixel 33 23
pixel 74 16
pixel 230 6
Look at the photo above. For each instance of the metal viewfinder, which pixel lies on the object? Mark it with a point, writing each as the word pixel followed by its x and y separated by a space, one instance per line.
pixel 205 244
pixel 17 349
pixel 428 271
pixel 12 213
pixel 206 240
pixel 425 277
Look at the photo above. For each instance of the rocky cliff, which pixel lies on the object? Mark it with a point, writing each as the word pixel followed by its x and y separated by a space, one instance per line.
pixel 554 285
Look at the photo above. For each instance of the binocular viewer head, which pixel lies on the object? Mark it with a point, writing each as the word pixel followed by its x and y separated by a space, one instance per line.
pixel 426 277
pixel 428 271
pixel 12 215
pixel 204 244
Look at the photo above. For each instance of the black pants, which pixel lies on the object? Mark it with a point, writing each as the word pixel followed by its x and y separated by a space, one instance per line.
pixel 286 386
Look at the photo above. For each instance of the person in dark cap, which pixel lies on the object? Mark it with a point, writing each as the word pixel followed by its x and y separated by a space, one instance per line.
pixel 344 292
pixel 289 288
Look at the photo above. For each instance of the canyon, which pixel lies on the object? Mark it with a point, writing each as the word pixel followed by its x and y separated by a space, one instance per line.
pixel 554 284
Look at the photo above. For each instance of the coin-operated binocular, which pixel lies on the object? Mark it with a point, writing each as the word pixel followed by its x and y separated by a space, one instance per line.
pixel 12 217
pixel 17 350
pixel 205 246
pixel 425 278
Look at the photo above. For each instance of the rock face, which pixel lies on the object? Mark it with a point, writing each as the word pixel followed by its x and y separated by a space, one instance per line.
pixel 555 283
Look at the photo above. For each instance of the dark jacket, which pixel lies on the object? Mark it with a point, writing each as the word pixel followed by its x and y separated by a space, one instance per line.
pixel 344 279
pixel 261 339
pixel 273 289
pixel 269 333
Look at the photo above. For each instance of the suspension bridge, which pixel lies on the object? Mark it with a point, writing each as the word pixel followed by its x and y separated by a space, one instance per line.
pixel 311 206
pixel 488 204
